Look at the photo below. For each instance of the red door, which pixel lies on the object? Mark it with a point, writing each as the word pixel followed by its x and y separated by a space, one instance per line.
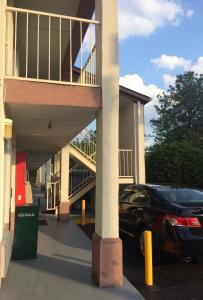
pixel 20 178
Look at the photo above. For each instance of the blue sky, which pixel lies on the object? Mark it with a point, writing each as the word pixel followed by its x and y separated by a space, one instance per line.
pixel 158 39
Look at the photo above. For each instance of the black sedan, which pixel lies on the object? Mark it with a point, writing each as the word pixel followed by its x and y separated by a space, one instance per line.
pixel 173 214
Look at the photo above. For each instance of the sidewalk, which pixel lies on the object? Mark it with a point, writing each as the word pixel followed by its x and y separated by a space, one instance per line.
pixel 61 271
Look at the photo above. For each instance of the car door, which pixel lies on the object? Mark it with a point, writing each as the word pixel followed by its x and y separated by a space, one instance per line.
pixel 123 210
pixel 154 218
pixel 132 209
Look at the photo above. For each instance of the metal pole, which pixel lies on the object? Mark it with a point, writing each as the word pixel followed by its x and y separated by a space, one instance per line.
pixel 148 258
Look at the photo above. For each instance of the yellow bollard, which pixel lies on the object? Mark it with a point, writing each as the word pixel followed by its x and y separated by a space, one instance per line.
pixel 83 213
pixel 83 205
pixel 148 258
pixel 83 220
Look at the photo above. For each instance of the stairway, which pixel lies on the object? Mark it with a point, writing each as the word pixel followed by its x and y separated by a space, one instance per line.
pixel 82 176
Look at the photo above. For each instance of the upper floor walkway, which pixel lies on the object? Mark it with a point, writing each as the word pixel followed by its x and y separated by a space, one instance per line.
pixel 45 41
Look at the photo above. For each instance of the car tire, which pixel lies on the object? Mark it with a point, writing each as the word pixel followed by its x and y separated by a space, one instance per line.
pixel 141 242
pixel 156 254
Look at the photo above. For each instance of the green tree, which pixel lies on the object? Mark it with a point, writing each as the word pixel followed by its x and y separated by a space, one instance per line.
pixel 177 155
pixel 175 163
pixel 180 111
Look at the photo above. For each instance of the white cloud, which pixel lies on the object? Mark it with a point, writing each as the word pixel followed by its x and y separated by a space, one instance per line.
pixel 168 80
pixel 142 18
pixel 136 83
pixel 171 62
pixel 198 66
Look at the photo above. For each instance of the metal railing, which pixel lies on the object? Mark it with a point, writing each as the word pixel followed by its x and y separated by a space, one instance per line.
pixel 40 44
pixel 126 161
pixel 88 73
pixel 53 190
pixel 85 142
pixel 78 178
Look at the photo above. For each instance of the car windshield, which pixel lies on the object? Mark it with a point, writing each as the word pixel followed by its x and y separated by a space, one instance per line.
pixel 182 195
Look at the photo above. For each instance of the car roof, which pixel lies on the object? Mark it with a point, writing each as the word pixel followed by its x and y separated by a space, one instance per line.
pixel 150 186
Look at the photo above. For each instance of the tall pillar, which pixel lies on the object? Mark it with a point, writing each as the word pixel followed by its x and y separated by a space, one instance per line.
pixel 13 179
pixel 57 163
pixel 2 117
pixel 64 207
pixel 139 144
pixel 7 183
pixel 48 170
pixel 107 267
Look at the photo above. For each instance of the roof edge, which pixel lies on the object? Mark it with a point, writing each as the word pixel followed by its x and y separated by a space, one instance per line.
pixel 135 96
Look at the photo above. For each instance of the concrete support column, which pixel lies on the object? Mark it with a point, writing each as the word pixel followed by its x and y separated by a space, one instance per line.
pixel 139 144
pixel 2 117
pixel 13 179
pixel 57 163
pixel 7 183
pixel 48 171
pixel 64 207
pixel 107 247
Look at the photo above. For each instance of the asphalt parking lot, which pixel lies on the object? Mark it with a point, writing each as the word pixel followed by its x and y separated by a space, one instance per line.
pixel 172 279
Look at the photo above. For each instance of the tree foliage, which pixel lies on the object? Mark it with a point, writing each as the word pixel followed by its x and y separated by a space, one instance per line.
pixel 180 111
pixel 175 163
pixel 177 155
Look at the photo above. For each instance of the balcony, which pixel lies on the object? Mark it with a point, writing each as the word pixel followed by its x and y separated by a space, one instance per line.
pixel 46 47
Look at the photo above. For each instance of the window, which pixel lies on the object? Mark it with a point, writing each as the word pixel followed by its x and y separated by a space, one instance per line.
pixel 139 197
pixel 154 199
pixel 182 195
pixel 124 196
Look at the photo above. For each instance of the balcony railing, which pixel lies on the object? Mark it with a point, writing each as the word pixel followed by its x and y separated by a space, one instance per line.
pixel 85 142
pixel 44 47
pixel 126 161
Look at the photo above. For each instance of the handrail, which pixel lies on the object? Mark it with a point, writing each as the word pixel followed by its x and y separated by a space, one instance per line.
pixel 126 161
pixel 24 59
pixel 53 189
pixel 88 73
pixel 22 10
pixel 78 177
pixel 85 142
pixel 89 57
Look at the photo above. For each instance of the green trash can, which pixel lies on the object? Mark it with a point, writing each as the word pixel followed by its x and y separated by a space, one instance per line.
pixel 25 232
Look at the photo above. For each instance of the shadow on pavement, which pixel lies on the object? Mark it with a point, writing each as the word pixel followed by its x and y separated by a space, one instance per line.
pixel 172 279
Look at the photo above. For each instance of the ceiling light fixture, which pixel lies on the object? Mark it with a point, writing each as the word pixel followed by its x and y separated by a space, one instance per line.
pixel 50 125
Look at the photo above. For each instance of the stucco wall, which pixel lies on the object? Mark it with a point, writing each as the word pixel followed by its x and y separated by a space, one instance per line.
pixel 127 127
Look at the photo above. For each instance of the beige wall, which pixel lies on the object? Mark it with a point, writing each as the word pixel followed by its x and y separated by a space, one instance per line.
pixel 131 135
pixel 13 178
pixel 127 126
pixel 5 235
pixel 7 182
pixel 2 113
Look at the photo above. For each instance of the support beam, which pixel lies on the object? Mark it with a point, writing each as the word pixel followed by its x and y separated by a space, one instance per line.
pixel 13 179
pixel 48 170
pixel 139 146
pixel 7 183
pixel 64 201
pixel 57 163
pixel 2 117
pixel 107 247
